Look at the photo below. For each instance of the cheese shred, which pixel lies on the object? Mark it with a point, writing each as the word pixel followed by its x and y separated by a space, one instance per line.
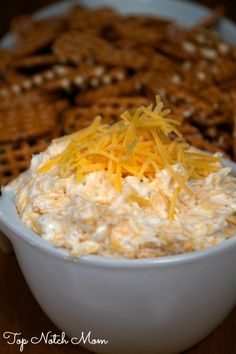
pixel 139 144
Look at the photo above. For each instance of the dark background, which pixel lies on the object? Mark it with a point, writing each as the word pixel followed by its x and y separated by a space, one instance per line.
pixel 13 8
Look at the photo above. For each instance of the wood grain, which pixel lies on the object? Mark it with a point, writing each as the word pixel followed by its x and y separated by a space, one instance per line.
pixel 19 312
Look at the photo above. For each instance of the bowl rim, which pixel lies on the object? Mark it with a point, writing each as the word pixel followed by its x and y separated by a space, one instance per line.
pixel 10 223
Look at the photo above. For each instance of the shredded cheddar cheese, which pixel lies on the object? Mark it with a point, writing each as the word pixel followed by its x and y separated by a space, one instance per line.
pixel 140 145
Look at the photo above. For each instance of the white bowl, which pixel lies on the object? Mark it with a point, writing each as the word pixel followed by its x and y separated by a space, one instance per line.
pixel 153 306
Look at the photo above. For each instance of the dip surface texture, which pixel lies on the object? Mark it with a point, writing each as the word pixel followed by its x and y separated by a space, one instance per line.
pixel 92 217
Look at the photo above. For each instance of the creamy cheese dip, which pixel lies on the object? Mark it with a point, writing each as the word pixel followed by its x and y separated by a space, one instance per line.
pixel 91 217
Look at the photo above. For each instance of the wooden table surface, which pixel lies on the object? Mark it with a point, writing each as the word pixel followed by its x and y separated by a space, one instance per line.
pixel 19 312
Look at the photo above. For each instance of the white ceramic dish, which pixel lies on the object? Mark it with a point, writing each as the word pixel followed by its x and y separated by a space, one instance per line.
pixel 155 306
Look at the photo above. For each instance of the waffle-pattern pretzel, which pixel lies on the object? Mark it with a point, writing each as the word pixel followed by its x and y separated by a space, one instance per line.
pixel 26 122
pixel 204 144
pixel 177 96
pixel 96 61
pixel 93 20
pixel 26 117
pixel 33 35
pixel 85 77
pixel 74 46
pixel 195 137
pixel 129 87
pixel 29 98
pixel 196 45
pixel 17 84
pixel 140 31
pixel 131 59
pixel 5 60
pixel 203 74
pixel 9 86
pixel 35 61
pixel 15 157
pixel 109 109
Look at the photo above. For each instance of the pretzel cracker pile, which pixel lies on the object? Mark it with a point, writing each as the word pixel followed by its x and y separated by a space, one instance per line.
pixel 66 70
